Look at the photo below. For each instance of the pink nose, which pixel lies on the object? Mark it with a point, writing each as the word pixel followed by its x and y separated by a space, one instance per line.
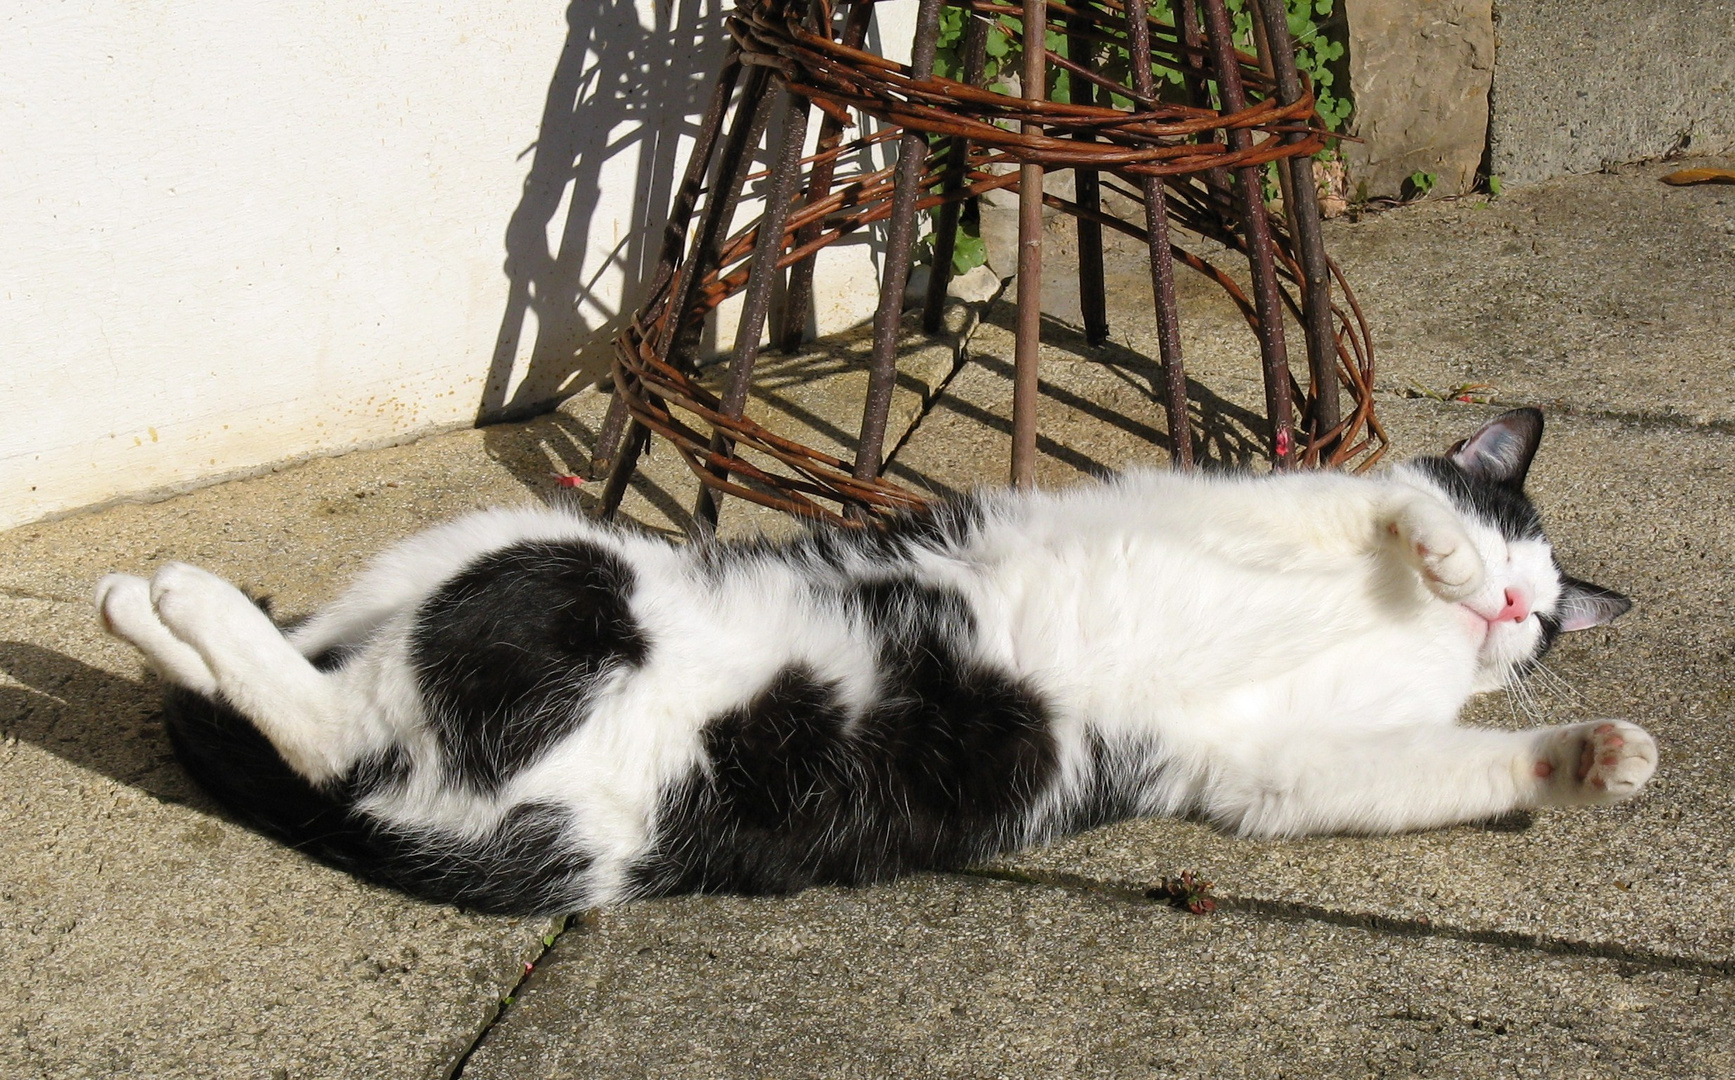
pixel 1517 608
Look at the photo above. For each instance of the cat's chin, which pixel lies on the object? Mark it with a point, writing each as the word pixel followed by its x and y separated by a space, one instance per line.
pixel 1476 627
pixel 1502 651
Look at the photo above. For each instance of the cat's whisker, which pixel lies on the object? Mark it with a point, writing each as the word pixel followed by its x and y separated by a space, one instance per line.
pixel 1558 685
pixel 1521 701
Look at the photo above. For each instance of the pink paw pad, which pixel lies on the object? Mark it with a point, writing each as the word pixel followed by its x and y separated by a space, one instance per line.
pixel 1606 761
pixel 1616 759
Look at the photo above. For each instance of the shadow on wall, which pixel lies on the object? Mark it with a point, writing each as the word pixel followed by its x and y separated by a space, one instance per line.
pixel 620 89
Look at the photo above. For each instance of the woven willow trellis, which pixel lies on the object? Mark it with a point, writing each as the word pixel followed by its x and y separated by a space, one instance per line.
pixel 1192 160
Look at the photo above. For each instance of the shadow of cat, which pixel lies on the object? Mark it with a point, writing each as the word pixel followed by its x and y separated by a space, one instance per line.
pixel 94 719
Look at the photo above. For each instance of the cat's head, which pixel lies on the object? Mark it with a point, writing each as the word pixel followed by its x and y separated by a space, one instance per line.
pixel 1526 600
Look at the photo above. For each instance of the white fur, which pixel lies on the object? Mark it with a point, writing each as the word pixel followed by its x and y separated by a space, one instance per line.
pixel 1290 653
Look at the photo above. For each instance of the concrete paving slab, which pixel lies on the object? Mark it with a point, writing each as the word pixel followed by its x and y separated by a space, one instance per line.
pixel 1098 411
pixel 953 977
pixel 1610 293
pixel 815 396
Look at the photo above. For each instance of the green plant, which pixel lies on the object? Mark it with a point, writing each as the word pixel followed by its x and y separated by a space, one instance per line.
pixel 1419 184
pixel 1187 891
pixel 1494 187
pixel 1316 51
pixel 969 250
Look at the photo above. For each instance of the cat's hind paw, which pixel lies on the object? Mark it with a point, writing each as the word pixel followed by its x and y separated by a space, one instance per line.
pixel 123 603
pixel 227 629
pixel 1603 761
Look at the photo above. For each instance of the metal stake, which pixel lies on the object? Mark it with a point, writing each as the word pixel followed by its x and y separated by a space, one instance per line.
pixel 1025 379
pixel 900 240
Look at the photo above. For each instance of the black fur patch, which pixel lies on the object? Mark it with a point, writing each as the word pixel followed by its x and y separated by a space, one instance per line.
pixel 1550 634
pixel 519 867
pixel 940 771
pixel 1119 773
pixel 508 651
pixel 942 525
pixel 1504 506
pixel 1613 605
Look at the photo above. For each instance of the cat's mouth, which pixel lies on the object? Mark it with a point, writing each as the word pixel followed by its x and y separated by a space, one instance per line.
pixel 1482 615
pixel 1476 625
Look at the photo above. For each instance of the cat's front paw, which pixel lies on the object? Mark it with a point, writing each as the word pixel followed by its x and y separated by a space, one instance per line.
pixel 1436 544
pixel 1603 761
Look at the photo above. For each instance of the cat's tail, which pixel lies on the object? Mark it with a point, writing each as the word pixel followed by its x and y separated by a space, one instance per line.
pixel 237 765
pixel 521 867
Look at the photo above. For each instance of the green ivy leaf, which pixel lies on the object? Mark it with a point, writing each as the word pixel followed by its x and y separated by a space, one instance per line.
pixel 1315 53
pixel 968 252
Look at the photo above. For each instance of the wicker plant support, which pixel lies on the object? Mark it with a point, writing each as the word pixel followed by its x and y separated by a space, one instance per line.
pixel 1194 166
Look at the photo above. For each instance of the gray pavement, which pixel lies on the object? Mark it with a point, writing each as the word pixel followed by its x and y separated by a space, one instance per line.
pixel 141 934
pixel 954 977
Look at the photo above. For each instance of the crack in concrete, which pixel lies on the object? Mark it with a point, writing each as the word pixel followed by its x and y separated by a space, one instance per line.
pixel 561 925
pixel 960 357
pixel 1393 926
pixel 1637 418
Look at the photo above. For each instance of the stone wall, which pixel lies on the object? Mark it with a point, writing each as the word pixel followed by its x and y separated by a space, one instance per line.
pixel 1581 86
pixel 1419 72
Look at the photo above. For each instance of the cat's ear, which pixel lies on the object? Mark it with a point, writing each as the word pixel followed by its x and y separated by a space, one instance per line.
pixel 1502 450
pixel 1583 605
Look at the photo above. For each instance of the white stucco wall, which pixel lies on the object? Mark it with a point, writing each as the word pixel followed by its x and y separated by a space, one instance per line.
pixel 239 233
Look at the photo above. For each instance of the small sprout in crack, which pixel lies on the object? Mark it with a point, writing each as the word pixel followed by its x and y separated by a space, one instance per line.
pixel 1187 892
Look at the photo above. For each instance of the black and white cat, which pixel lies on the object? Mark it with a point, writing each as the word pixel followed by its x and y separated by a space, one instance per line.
pixel 526 710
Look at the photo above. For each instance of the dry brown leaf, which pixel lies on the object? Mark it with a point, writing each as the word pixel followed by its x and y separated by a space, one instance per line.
pixel 1701 176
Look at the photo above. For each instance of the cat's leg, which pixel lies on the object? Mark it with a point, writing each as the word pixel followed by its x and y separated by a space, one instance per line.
pixel 1433 541
pixel 343 626
pixel 255 669
pixel 124 604
pixel 1392 780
